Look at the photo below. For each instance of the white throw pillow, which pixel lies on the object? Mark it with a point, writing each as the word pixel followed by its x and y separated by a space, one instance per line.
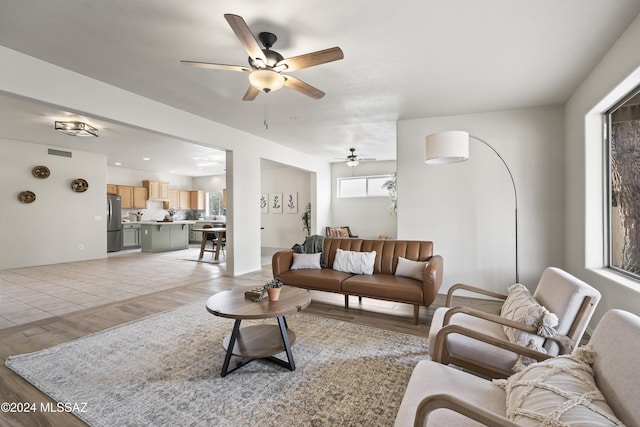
pixel 354 262
pixel 410 268
pixel 558 392
pixel 306 261
pixel 522 307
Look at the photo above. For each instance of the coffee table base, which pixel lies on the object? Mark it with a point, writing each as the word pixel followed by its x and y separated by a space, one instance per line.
pixel 259 342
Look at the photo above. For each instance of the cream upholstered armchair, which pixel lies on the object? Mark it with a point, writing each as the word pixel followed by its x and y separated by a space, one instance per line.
pixel 534 327
pixel 596 385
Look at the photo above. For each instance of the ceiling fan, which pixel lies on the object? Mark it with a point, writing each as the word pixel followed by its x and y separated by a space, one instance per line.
pixel 354 160
pixel 266 66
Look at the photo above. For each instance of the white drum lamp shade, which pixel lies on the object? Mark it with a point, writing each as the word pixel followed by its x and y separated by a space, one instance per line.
pixel 446 147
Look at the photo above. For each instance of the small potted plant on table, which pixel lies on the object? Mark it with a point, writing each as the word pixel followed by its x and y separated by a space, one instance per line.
pixel 272 288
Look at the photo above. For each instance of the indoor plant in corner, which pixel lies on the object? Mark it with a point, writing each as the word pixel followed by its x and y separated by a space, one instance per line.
pixel 272 288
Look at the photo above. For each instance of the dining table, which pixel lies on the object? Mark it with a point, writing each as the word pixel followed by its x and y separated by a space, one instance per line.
pixel 220 234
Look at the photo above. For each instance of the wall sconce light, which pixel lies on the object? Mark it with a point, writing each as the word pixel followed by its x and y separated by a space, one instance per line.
pixel 76 129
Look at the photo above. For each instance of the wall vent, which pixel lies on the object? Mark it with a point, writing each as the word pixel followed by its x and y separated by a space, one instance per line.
pixel 53 152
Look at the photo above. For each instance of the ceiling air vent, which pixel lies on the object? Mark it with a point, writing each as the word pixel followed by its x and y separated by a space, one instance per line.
pixel 53 152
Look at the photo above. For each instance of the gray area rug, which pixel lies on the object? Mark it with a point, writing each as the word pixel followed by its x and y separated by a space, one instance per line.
pixel 164 370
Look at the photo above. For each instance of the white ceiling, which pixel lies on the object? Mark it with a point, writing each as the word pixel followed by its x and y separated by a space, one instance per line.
pixel 403 59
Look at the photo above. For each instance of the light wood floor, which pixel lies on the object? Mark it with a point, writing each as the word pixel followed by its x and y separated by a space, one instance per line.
pixel 48 332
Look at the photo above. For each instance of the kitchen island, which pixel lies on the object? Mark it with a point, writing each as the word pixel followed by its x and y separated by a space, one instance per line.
pixel 158 236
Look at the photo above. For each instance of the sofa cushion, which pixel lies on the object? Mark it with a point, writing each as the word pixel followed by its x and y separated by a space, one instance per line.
pixel 557 392
pixel 409 268
pixel 462 346
pixel 520 306
pixel 384 286
pixel 325 279
pixel 431 378
pixel 354 262
pixel 306 261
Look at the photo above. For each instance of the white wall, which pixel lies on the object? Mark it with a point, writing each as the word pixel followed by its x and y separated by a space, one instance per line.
pixel 51 229
pixel 467 209
pixel 617 74
pixel 283 230
pixel 211 184
pixel 367 217
pixel 133 177
pixel 33 79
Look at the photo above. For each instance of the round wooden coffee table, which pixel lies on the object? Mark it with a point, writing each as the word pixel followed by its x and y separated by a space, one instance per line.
pixel 258 341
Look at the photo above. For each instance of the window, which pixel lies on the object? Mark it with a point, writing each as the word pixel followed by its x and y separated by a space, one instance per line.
pixel 623 124
pixel 214 204
pixel 364 186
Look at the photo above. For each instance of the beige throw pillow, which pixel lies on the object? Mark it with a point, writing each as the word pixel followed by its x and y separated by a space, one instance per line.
pixel 522 307
pixel 306 261
pixel 410 268
pixel 558 392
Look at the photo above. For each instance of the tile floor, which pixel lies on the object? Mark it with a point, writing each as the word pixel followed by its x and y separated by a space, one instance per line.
pixel 33 293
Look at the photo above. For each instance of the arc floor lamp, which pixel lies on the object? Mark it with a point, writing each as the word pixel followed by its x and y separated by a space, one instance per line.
pixel 453 146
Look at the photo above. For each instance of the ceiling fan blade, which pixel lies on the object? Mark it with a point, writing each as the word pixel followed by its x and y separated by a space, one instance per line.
pixel 311 59
pixel 215 66
pixel 302 87
pixel 250 94
pixel 244 34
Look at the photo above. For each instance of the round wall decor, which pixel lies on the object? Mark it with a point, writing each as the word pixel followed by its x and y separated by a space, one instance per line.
pixel 79 185
pixel 41 172
pixel 27 197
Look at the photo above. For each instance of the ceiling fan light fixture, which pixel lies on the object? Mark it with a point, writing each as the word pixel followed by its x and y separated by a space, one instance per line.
pixel 353 162
pixel 266 80
pixel 76 128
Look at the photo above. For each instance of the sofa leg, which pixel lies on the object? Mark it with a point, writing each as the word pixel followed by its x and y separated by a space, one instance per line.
pixel 360 300
pixel 416 314
pixel 346 301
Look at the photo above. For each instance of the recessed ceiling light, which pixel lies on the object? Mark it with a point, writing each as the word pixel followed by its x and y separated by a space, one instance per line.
pixel 172 171
pixel 146 158
pixel 118 164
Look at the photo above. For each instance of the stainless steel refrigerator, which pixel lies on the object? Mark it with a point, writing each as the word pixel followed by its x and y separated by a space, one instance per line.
pixel 114 223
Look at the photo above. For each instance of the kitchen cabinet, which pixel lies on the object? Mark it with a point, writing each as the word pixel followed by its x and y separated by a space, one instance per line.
pixel 185 199
pixel 180 199
pixel 174 199
pixel 157 190
pixel 130 235
pixel 126 195
pixel 140 195
pixel 165 236
pixel 197 200
pixel 112 189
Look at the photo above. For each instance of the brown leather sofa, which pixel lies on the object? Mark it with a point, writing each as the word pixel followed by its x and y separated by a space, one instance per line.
pixel 382 284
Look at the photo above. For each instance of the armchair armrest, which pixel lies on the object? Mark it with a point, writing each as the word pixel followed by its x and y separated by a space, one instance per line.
pixel 441 350
pixel 281 262
pixel 566 344
pixel 448 401
pixel 471 289
pixel 486 316
pixel 442 355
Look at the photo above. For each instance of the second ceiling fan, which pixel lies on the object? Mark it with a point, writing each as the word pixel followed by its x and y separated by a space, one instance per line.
pixel 266 66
